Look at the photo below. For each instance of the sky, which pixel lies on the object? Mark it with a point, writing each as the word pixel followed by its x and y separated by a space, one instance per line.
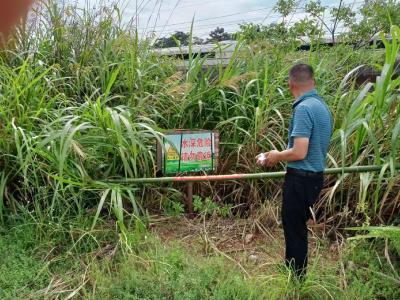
pixel 163 17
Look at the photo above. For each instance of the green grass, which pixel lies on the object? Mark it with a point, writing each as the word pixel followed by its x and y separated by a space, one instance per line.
pixel 84 100
pixel 21 271
pixel 372 272
pixel 51 263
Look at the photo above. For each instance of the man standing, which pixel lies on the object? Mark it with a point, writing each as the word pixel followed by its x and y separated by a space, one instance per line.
pixel 309 136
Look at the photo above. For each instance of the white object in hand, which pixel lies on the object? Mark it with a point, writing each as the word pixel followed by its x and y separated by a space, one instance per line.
pixel 261 157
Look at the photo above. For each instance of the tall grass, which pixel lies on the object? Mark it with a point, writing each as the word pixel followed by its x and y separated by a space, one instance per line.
pixel 83 99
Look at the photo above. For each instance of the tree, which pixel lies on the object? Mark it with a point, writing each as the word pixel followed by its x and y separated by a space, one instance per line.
pixel 275 32
pixel 179 38
pixel 376 16
pixel 285 8
pixel 197 41
pixel 219 35
pixel 306 28
pixel 340 15
pixel 250 32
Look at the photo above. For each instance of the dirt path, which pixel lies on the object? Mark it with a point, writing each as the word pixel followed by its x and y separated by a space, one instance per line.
pixel 255 247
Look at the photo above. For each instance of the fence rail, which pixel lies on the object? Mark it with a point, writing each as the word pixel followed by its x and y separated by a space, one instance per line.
pixel 229 177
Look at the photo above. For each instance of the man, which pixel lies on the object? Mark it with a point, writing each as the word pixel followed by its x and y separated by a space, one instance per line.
pixel 10 12
pixel 309 136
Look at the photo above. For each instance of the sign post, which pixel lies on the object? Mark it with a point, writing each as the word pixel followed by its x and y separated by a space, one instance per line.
pixel 185 152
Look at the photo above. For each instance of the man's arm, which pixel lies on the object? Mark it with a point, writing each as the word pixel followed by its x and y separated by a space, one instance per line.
pixel 298 152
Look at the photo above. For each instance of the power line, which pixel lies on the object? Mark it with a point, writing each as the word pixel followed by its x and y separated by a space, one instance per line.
pixel 270 17
pixel 236 22
pixel 240 13
pixel 169 8
pixel 166 23
pixel 219 17
pixel 191 5
pixel 267 16
pixel 154 7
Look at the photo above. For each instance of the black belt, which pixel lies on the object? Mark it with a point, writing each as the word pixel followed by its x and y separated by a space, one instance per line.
pixel 304 173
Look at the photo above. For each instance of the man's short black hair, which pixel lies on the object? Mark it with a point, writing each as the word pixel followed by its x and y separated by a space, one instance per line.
pixel 301 73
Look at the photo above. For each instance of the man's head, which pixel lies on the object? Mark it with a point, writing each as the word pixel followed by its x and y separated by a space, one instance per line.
pixel 301 79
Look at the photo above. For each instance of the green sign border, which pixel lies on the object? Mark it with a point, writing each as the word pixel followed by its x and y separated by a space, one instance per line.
pixel 161 153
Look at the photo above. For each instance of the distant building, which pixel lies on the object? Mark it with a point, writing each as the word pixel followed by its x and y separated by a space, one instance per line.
pixel 220 54
pixel 307 43
pixel 212 54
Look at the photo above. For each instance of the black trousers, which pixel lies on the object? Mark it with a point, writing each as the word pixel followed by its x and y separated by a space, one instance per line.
pixel 299 194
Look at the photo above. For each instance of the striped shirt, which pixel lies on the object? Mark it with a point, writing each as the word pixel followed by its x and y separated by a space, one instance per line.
pixel 312 119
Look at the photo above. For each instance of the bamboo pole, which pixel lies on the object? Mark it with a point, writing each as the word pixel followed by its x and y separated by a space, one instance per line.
pixel 229 177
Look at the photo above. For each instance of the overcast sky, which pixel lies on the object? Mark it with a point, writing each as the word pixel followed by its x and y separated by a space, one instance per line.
pixel 166 16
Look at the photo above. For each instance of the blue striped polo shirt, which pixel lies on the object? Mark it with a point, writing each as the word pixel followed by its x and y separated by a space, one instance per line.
pixel 312 119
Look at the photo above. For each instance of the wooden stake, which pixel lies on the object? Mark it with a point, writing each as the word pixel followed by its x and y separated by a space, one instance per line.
pixel 189 197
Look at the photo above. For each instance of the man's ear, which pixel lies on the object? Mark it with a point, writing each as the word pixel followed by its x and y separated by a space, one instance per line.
pixel 292 86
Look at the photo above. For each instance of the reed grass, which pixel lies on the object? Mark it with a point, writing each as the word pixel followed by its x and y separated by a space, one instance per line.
pixel 84 99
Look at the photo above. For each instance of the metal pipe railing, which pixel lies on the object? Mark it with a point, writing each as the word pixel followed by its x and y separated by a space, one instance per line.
pixel 229 177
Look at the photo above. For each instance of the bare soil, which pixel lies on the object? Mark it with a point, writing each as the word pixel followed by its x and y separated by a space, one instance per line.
pixel 254 246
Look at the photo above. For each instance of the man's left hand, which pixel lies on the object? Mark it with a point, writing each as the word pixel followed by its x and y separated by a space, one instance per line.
pixel 273 157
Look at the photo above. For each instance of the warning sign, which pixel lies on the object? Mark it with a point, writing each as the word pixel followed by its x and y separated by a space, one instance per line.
pixel 184 151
